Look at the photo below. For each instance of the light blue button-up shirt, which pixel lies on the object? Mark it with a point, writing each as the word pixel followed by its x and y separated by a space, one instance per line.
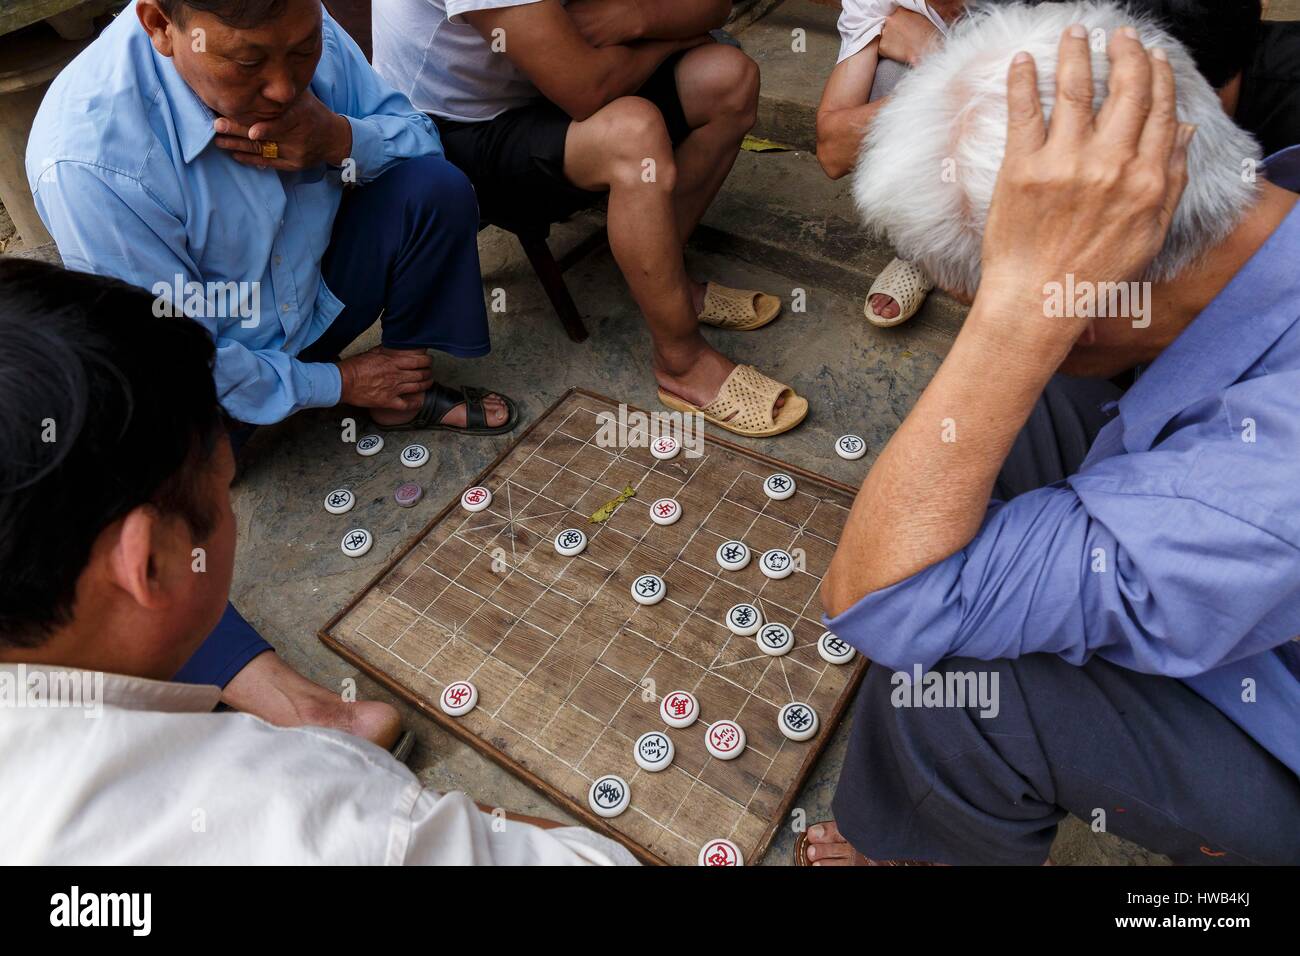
pixel 128 181
pixel 1175 548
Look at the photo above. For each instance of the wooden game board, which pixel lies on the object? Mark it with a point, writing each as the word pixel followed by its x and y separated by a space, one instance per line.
pixel 559 650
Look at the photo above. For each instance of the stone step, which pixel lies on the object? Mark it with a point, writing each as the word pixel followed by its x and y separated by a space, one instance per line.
pixel 794 67
pixel 781 212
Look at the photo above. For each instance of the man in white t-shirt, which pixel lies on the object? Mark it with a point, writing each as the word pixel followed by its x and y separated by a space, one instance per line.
pixel 103 759
pixel 548 107
pixel 879 41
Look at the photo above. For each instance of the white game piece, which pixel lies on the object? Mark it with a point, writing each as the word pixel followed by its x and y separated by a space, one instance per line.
pixel 648 589
pixel 609 795
pixel 653 751
pixel 720 852
pixel 476 498
pixel 458 698
pixel 850 447
pixel 725 739
pixel 356 542
pixel 733 555
pixel 570 541
pixel 776 564
pixel 413 456
pixel 744 620
pixel 370 445
pixel 340 501
pixel 665 511
pixel 833 650
pixel 665 447
pixel 775 639
pixel 778 487
pixel 798 721
pixel 679 709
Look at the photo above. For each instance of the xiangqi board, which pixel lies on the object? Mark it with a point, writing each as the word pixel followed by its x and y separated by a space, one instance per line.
pixel 571 669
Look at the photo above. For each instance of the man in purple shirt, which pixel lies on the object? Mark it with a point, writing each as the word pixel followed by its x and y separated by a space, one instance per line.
pixel 1112 634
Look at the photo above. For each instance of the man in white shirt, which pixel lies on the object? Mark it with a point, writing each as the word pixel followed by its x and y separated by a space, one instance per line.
pixel 115 563
pixel 879 41
pixel 549 106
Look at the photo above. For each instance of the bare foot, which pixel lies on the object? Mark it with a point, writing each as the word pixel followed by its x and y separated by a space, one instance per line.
pixel 883 306
pixel 826 846
pixel 269 688
pixel 494 407
pixel 699 379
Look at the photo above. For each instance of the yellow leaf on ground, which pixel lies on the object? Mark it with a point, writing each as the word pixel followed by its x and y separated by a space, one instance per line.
pixel 606 511
pixel 756 145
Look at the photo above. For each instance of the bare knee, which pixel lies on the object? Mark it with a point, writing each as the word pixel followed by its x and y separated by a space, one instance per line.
pixel 720 82
pixel 637 143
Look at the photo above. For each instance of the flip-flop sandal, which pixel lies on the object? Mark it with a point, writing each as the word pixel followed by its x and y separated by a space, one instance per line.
pixel 904 282
pixel 738 309
pixel 402 749
pixel 801 854
pixel 440 399
pixel 744 404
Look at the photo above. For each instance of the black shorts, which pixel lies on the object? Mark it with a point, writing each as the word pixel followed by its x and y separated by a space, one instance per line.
pixel 516 160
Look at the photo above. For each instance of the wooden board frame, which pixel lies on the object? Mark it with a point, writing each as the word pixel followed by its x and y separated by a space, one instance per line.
pixel 450 724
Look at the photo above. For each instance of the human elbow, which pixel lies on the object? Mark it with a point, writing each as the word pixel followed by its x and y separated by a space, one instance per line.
pixel 829 157
pixel 834 597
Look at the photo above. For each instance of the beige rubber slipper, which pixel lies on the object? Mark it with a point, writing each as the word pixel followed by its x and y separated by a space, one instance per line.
pixel 904 282
pixel 738 309
pixel 744 404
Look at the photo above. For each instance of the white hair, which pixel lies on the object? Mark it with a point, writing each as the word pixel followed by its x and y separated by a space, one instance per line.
pixel 929 162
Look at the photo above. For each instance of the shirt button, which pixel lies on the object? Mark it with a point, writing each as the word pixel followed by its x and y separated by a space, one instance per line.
pixel 278 260
pixel 285 307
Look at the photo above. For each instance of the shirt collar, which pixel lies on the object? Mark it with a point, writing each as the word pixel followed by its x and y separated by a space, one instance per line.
pixel 1230 334
pixel 192 117
pixel 121 690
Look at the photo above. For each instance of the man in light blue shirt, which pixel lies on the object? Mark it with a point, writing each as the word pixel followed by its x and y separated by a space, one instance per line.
pixel 200 149
pixel 1113 635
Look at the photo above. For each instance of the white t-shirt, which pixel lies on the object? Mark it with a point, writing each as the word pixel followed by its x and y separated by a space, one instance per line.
pixel 426 50
pixel 861 21
pixel 149 775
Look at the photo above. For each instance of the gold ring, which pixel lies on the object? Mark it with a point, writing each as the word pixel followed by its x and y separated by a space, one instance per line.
pixel 270 150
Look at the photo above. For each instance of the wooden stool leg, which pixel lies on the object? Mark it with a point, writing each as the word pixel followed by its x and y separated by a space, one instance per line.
pixel 552 280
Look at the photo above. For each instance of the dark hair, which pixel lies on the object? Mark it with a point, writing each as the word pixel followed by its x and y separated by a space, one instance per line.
pixel 103 407
pixel 1219 34
pixel 240 14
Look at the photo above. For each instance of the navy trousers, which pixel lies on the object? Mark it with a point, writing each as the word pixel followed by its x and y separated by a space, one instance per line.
pixel 403 250
pixel 1142 755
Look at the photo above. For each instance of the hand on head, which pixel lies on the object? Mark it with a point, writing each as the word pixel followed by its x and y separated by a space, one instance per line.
pixel 1090 194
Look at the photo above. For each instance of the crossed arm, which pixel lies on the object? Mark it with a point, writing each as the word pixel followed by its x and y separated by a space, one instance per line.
pixel 844 113
pixel 583 56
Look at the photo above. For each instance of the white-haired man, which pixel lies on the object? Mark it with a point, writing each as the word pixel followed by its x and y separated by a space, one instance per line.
pixel 1124 606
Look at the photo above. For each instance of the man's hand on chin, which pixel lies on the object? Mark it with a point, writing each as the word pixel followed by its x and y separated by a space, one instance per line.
pixel 306 134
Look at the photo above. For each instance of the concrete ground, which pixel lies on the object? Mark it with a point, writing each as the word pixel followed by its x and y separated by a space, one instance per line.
pixel 779 225
pixel 292 577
